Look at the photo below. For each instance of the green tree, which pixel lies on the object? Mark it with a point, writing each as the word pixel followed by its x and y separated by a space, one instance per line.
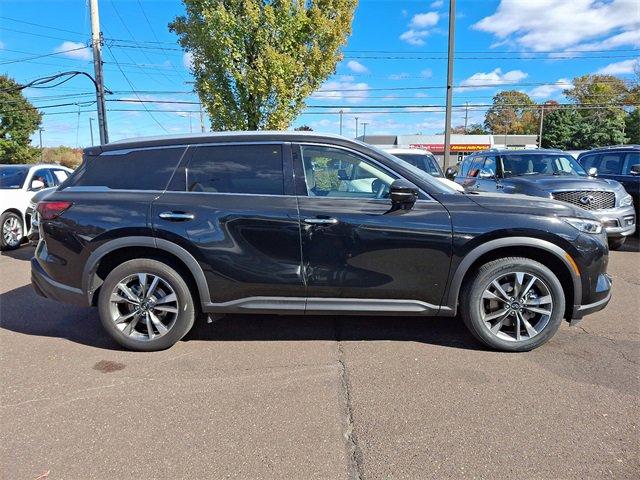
pixel 303 128
pixel 256 61
pixel 560 128
pixel 632 127
pixel 512 112
pixel 19 119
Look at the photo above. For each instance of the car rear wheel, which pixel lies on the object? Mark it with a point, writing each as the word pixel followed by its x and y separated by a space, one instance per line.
pixel 145 305
pixel 616 243
pixel 513 304
pixel 11 231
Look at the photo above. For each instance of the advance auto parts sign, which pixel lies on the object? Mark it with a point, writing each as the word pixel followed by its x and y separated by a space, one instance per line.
pixel 455 147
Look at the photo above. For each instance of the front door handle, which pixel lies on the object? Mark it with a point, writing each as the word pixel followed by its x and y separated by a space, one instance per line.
pixel 176 216
pixel 499 185
pixel 321 221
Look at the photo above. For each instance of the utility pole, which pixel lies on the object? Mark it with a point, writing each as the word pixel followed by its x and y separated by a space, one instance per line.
pixel 356 127
pixel 201 118
pixel 96 44
pixel 91 129
pixel 364 131
pixel 341 122
pixel 450 54
pixel 541 122
pixel 466 116
pixel 41 150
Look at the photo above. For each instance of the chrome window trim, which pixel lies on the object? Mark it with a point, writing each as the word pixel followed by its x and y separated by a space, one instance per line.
pixel 358 154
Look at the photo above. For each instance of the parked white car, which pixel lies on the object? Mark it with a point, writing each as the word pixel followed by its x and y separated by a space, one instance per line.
pixel 425 161
pixel 18 184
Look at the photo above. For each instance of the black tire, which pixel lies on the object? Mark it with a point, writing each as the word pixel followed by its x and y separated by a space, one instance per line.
pixel 471 302
pixel 4 218
pixel 184 318
pixel 616 243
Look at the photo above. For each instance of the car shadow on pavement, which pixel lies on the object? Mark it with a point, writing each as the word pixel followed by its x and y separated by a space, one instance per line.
pixel 632 244
pixel 25 253
pixel 22 311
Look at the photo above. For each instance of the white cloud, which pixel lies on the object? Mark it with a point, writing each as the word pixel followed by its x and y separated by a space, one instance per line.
pixel 436 4
pixel 2 44
pixel 187 60
pixel 426 73
pixel 414 37
pixel 552 24
pixel 621 68
pixel 418 27
pixel 356 67
pixel 548 90
pixel 399 76
pixel 78 50
pixel 494 78
pixel 349 91
pixel 424 20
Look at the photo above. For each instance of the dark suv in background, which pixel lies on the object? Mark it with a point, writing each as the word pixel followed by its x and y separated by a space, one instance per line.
pixel 551 174
pixel 620 163
pixel 154 231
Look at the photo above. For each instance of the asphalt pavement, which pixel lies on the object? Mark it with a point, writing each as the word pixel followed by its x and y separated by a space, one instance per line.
pixel 316 397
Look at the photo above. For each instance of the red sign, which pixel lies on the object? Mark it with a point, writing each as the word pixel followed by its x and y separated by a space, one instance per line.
pixel 455 147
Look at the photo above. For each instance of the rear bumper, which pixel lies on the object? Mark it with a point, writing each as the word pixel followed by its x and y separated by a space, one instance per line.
pixel 46 287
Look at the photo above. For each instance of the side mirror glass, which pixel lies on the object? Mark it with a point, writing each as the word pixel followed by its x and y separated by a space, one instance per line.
pixel 592 172
pixel 403 194
pixel 486 174
pixel 450 173
pixel 36 185
pixel 635 169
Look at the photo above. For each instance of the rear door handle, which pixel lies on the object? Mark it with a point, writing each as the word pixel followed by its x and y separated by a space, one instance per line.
pixel 176 216
pixel 321 221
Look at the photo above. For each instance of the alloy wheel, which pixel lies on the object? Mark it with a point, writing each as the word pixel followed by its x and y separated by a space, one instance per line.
pixel 516 306
pixel 144 306
pixel 12 231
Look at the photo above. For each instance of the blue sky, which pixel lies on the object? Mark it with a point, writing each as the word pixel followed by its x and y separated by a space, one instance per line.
pixel 395 56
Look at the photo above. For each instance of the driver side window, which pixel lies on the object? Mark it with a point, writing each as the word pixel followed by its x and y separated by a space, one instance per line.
pixel 332 172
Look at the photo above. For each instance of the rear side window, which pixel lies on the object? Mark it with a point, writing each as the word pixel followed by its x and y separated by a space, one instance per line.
pixel 589 161
pixel 251 169
pixel 611 163
pixel 149 169
pixel 631 159
pixel 464 166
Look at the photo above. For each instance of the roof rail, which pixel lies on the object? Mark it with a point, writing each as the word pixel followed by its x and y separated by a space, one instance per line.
pixel 611 147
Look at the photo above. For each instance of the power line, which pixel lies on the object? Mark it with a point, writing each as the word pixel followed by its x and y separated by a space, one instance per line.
pixel 43 55
pixel 40 25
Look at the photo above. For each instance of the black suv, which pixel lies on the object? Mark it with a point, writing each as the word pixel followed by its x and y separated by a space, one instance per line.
pixel 551 174
pixel 620 163
pixel 155 231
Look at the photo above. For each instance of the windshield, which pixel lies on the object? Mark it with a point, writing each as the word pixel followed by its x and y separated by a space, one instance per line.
pixel 423 161
pixel 541 164
pixel 12 177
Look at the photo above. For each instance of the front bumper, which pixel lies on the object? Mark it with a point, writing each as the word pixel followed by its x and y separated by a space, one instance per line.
pixel 603 289
pixel 618 222
pixel 46 287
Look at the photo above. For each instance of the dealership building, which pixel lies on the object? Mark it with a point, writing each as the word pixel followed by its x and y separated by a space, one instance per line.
pixel 461 145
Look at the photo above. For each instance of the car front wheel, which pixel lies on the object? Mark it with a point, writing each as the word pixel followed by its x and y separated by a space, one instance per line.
pixel 513 304
pixel 145 305
pixel 11 231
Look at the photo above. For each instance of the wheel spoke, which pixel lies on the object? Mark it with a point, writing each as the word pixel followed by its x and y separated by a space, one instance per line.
pixel 517 284
pixel 518 335
pixel 120 299
pixel 498 287
pixel 498 325
pixel 124 318
pixel 127 291
pixel 164 308
pixel 142 279
pixel 159 325
pixel 536 302
pixel 541 311
pixel 487 295
pixel 494 315
pixel 132 324
pixel 530 330
pixel 528 287
pixel 169 298
pixel 152 288
pixel 150 331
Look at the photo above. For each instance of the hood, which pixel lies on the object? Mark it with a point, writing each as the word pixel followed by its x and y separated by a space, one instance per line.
pixel 550 183
pixel 528 205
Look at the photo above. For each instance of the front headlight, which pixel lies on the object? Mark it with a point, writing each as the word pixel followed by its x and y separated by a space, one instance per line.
pixel 626 201
pixel 583 225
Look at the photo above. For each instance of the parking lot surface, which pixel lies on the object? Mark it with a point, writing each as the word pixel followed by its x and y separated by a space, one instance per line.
pixel 316 397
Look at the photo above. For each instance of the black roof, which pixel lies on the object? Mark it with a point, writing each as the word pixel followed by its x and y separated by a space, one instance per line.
pixel 220 137
pixel 615 147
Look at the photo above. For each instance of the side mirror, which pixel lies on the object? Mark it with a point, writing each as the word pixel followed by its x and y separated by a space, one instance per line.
pixel 403 194
pixel 36 185
pixel 592 172
pixel 450 173
pixel 635 169
pixel 488 174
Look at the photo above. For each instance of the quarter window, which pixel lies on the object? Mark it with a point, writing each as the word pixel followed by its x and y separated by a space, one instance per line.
pixel 476 164
pixel 611 163
pixel 332 172
pixel 489 167
pixel 631 159
pixel 60 176
pixel 251 169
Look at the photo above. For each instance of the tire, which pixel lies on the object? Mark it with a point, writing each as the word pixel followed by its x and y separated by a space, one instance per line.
pixel 11 231
pixel 478 304
pixel 616 243
pixel 159 309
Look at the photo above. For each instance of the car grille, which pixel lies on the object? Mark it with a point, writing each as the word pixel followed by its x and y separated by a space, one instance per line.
pixel 588 199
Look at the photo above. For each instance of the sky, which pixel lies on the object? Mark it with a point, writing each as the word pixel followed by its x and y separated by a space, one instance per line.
pixel 395 57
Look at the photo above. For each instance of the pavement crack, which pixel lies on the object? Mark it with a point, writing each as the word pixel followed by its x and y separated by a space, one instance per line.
pixel 353 450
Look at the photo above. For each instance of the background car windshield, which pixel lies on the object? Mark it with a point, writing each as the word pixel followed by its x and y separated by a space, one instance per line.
pixel 541 164
pixel 12 177
pixel 423 161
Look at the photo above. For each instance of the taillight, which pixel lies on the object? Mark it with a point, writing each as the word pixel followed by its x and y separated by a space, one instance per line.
pixel 51 210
